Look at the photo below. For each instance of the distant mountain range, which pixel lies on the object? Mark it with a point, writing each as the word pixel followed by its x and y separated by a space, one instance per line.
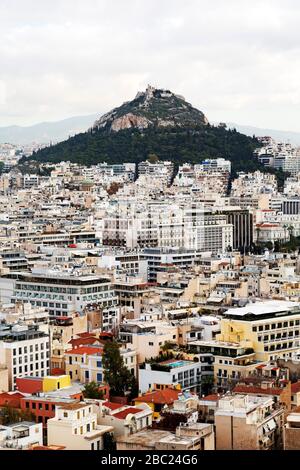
pixel 46 132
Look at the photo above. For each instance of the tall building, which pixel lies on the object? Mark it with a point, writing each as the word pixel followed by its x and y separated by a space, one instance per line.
pixel 25 350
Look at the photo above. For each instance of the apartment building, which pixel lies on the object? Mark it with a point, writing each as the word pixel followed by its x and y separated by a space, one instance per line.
pixel 184 374
pixel 162 169
pixel 25 351
pixel 84 363
pixel 248 423
pixel 75 427
pixel 21 436
pixel 270 327
pixel 62 293
pixel 147 337
pixel 291 431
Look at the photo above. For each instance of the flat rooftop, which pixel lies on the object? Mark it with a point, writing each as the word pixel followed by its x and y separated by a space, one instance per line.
pixel 263 308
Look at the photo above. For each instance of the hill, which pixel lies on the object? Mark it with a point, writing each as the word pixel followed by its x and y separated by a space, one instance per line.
pixel 155 121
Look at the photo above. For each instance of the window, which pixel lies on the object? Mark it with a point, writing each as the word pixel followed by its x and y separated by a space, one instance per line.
pixel 99 378
pixel 65 414
pixel 150 344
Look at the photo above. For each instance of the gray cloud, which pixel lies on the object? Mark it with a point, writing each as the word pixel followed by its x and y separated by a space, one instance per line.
pixel 237 60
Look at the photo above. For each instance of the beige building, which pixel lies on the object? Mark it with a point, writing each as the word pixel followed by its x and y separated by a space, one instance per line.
pixel 291 432
pixel 199 436
pixel 75 427
pixel 148 337
pixel 3 378
pixel 62 330
pixel 248 423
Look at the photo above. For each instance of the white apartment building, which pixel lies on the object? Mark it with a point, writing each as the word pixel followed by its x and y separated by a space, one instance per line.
pixel 163 169
pixel 182 373
pixel 62 293
pixel 21 436
pixel 25 351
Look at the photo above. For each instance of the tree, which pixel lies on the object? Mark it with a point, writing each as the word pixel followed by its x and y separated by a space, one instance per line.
pixel 207 384
pixel 121 381
pixel 109 442
pixel 91 390
pixel 153 158
pixel 166 346
pixel 11 415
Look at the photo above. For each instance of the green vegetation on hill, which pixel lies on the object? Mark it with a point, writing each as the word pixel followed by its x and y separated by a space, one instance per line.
pixel 179 144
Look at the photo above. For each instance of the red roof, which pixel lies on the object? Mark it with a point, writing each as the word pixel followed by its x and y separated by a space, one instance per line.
pixel 83 341
pixel 112 406
pixel 57 371
pixel 257 390
pixel 166 396
pixel 89 350
pixel 295 387
pixel 124 413
pixel 212 397
pixel 83 335
pixel 12 395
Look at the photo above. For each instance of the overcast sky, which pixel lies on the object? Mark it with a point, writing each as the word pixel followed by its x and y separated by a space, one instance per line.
pixel 236 60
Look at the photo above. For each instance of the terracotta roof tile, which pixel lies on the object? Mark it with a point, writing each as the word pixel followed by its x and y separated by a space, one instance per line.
pixel 122 414
pixel 257 390
pixel 89 350
pixel 166 396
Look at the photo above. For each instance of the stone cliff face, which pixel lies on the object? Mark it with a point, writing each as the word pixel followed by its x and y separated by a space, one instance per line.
pixel 153 107
pixel 129 120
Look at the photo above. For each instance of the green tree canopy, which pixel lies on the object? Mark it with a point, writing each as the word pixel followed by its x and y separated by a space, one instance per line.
pixel 116 374
pixel 91 390
pixel 153 158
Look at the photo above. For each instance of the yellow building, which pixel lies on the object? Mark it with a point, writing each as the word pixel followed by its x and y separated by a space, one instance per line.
pixel 251 336
pixel 271 328
pixel 52 382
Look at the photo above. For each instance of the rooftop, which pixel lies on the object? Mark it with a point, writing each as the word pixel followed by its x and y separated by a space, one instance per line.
pixel 265 307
